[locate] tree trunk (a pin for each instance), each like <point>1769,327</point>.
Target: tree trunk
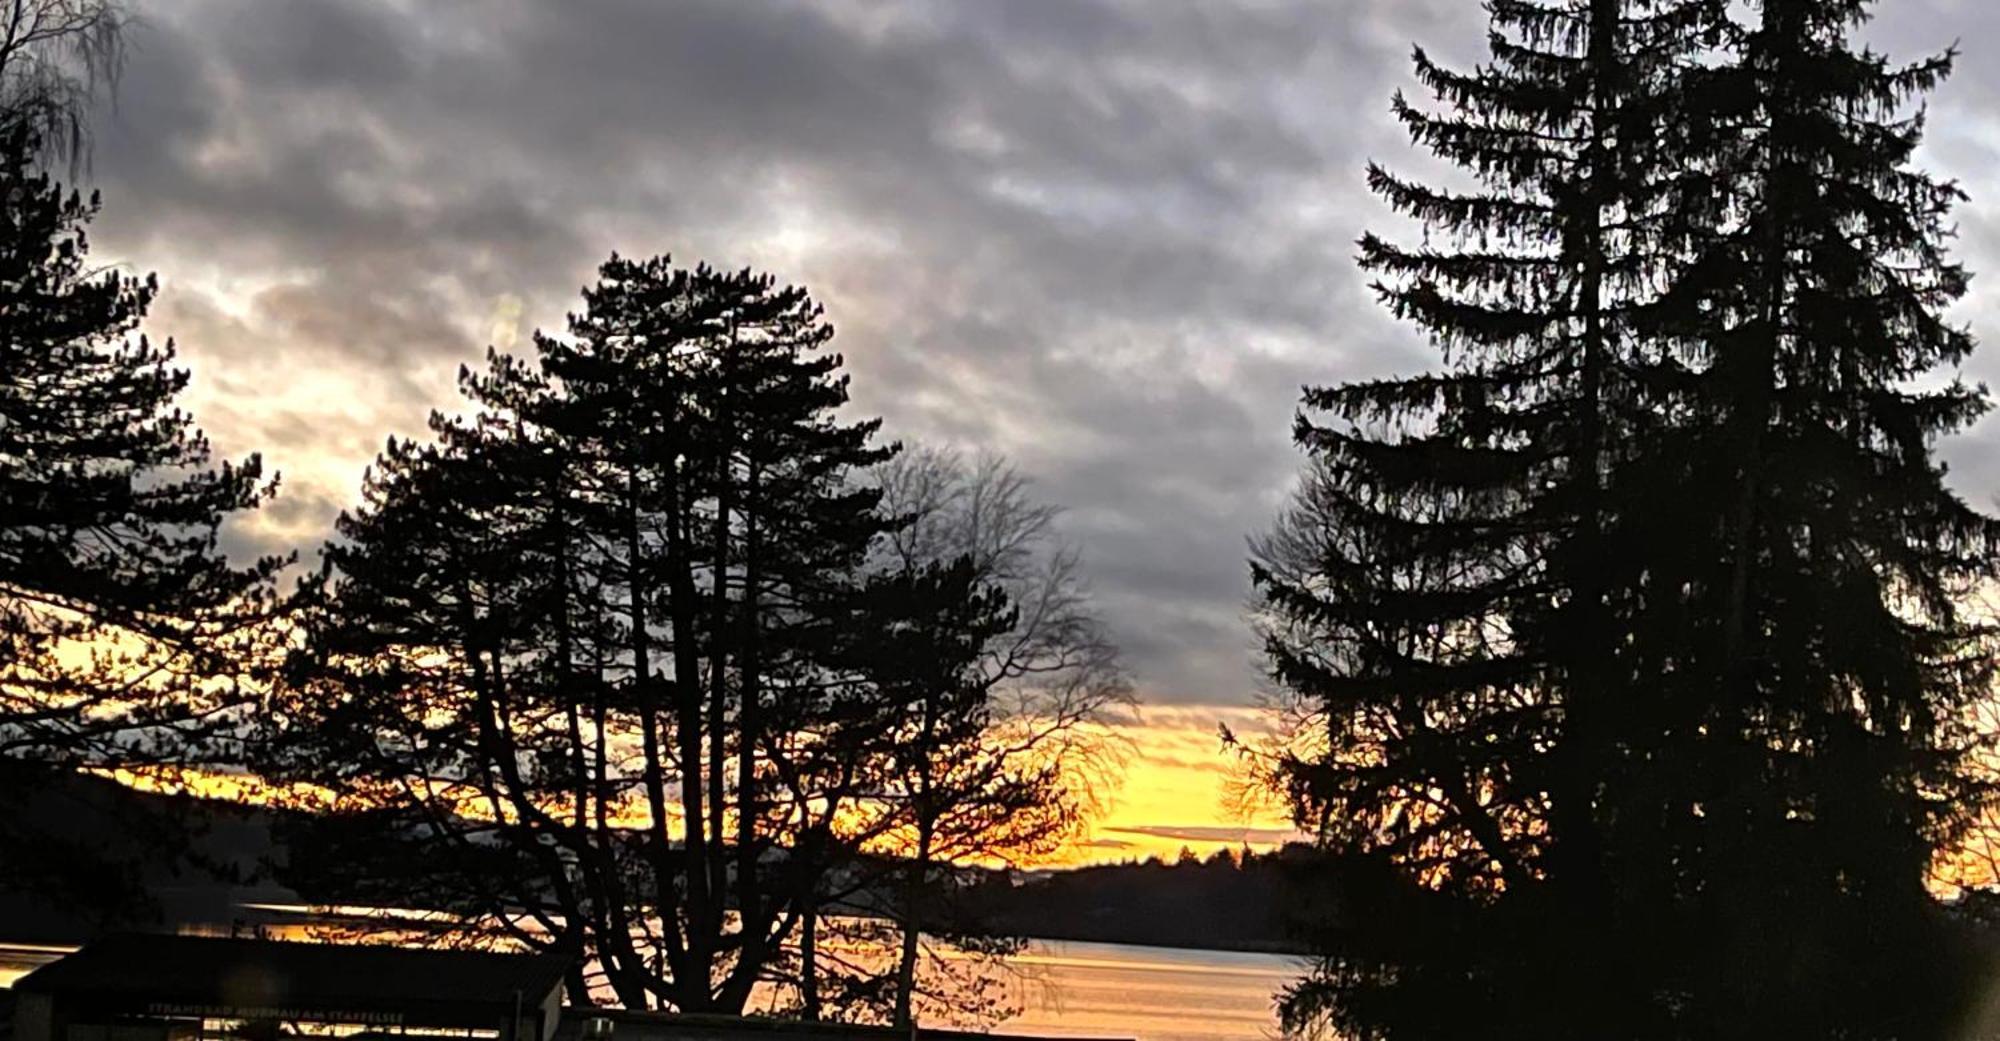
<point>748,889</point>
<point>691,983</point>
<point>913,896</point>
<point>718,664</point>
<point>1579,848</point>
<point>809,961</point>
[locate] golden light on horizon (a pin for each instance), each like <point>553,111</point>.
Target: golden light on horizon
<point>1176,791</point>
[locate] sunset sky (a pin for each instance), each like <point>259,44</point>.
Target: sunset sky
<point>1110,240</point>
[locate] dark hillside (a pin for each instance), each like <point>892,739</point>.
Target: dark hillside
<point>117,869</point>
<point>1227,902</point>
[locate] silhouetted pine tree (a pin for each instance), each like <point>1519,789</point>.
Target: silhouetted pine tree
<point>1447,600</point>
<point>600,605</point>
<point>742,484</point>
<point>124,629</point>
<point>1821,662</point>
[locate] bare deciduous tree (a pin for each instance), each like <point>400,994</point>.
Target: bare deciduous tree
<point>56,57</point>
<point>1009,767</point>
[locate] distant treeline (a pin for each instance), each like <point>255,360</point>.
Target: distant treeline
<point>1239,901</point>
<point>1231,900</point>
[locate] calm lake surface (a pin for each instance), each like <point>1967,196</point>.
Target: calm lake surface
<point>1148,993</point>
<point>1091,990</point>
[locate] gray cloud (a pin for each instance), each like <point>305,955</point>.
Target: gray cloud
<point>1110,238</point>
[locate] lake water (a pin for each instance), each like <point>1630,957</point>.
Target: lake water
<point>1148,993</point>
<point>1087,990</point>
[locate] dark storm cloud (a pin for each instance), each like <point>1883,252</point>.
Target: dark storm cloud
<point>1110,239</point>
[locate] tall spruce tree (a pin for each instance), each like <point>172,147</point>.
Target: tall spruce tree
<point>1446,601</point>
<point>126,634</point>
<point>1822,658</point>
<point>1644,614</point>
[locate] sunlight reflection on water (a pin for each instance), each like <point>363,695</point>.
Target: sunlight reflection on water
<point>1150,993</point>
<point>1085,990</point>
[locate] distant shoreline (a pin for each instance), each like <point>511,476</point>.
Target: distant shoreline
<point>1225,903</point>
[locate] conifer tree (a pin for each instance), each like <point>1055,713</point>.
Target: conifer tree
<point>1823,654</point>
<point>126,633</point>
<point>1645,612</point>
<point>747,521</point>
<point>589,623</point>
<point>1444,603</point>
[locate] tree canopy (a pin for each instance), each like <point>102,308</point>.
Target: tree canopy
<point>1625,649</point>
<point>622,653</point>
<point>129,640</point>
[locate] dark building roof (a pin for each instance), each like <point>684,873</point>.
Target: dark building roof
<point>163,974</point>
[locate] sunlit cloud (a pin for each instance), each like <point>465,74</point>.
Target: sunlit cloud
<point>1110,239</point>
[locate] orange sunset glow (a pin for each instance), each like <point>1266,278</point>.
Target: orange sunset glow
<point>1178,790</point>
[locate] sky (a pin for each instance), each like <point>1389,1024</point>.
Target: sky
<point>1109,239</point>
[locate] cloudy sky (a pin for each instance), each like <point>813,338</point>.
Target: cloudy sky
<point>1108,238</point>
